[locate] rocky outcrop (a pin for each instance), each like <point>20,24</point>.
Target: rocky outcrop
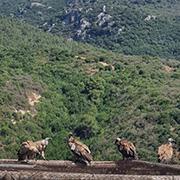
<point>75,15</point>
<point>33,98</point>
<point>150,17</point>
<point>37,4</point>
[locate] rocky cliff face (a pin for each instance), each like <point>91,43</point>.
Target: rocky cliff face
<point>75,15</point>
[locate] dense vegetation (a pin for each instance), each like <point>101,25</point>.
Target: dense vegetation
<point>136,27</point>
<point>96,94</point>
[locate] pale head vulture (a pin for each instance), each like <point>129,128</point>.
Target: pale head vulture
<point>80,150</point>
<point>166,151</point>
<point>126,148</point>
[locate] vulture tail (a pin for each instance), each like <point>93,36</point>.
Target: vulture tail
<point>87,156</point>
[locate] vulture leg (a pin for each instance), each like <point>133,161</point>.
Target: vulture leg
<point>43,155</point>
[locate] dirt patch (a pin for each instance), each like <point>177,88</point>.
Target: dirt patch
<point>110,66</point>
<point>168,69</point>
<point>33,98</point>
<point>91,71</point>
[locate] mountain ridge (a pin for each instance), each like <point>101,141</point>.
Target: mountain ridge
<point>130,27</point>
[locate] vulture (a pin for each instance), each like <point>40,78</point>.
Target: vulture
<point>126,148</point>
<point>80,150</point>
<point>166,151</point>
<point>29,149</point>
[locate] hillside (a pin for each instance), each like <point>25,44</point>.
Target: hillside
<point>50,86</point>
<point>134,27</point>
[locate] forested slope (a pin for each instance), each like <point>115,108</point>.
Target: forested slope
<point>50,86</point>
<point>136,27</point>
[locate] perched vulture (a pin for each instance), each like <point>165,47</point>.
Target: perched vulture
<point>166,151</point>
<point>41,146</point>
<point>126,148</point>
<point>80,150</point>
<point>29,149</point>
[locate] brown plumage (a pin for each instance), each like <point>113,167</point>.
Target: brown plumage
<point>178,154</point>
<point>29,149</point>
<point>126,148</point>
<point>80,150</point>
<point>166,151</point>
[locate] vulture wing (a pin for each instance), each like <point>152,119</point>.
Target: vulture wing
<point>83,152</point>
<point>23,151</point>
<point>163,149</point>
<point>24,148</point>
<point>27,150</point>
<point>165,152</point>
<point>128,147</point>
<point>131,145</point>
<point>83,146</point>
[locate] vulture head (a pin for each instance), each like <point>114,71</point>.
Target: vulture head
<point>126,148</point>
<point>71,138</point>
<point>46,141</point>
<point>171,141</point>
<point>117,140</point>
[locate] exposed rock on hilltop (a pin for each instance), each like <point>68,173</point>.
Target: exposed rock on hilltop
<point>130,26</point>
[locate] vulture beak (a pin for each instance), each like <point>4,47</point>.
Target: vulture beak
<point>48,138</point>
